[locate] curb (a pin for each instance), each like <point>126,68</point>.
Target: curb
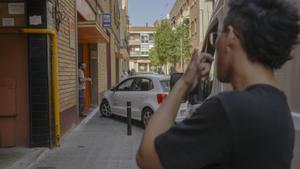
<point>87,119</point>
<point>41,156</point>
<point>29,160</point>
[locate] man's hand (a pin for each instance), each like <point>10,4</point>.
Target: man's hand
<point>198,69</point>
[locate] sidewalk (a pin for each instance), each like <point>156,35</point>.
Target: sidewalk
<point>102,143</point>
<point>20,157</point>
<point>98,143</point>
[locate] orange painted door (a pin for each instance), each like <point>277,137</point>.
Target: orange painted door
<point>14,113</point>
<point>87,73</point>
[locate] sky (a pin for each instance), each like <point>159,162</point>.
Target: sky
<point>143,11</point>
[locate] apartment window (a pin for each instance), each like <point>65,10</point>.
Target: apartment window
<point>195,26</point>
<point>144,47</point>
<point>145,53</point>
<point>145,38</point>
<point>151,37</point>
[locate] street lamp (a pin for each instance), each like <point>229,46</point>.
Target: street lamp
<point>181,57</point>
<point>181,51</point>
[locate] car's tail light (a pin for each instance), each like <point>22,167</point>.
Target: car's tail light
<point>160,97</point>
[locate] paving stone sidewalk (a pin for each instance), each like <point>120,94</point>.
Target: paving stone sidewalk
<point>102,143</point>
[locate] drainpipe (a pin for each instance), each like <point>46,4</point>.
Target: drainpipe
<point>54,77</point>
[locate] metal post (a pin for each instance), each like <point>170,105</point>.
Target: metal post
<point>181,58</point>
<point>129,119</point>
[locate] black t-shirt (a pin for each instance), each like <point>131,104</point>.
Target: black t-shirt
<point>250,129</point>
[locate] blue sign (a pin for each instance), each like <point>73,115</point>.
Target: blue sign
<point>106,20</point>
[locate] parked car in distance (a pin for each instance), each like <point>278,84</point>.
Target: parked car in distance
<point>145,92</point>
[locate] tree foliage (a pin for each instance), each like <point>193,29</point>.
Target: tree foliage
<point>167,48</point>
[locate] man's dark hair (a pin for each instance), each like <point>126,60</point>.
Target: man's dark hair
<point>267,29</point>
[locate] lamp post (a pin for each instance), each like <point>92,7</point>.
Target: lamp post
<point>181,58</point>
<point>181,49</point>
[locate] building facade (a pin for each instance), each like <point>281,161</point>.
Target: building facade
<point>195,14</point>
<point>141,40</point>
<point>39,98</point>
<point>124,35</point>
<point>200,13</point>
<point>180,12</point>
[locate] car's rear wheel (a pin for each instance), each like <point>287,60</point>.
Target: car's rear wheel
<point>146,116</point>
<point>105,109</point>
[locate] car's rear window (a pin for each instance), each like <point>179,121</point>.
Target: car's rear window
<point>165,85</point>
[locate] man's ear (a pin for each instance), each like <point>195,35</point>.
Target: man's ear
<point>231,36</point>
<point>231,32</point>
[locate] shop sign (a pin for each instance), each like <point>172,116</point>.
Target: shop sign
<point>106,20</point>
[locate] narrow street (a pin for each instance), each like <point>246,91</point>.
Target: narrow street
<point>100,144</point>
<point>65,62</point>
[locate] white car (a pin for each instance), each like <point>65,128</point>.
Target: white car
<point>145,92</point>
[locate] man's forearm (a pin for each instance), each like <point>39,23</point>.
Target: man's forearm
<point>163,119</point>
<point>165,115</point>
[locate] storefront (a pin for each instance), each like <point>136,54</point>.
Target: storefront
<point>90,34</point>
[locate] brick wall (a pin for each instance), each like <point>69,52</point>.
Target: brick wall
<point>67,59</point>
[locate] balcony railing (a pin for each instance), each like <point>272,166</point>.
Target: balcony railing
<point>134,41</point>
<point>134,53</point>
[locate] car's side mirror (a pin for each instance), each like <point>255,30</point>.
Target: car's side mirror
<point>114,89</point>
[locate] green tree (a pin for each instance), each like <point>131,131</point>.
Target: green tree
<point>154,57</point>
<point>167,44</point>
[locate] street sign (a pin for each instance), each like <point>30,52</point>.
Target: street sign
<point>106,20</point>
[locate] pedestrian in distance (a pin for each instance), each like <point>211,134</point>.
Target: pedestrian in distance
<point>124,75</point>
<point>172,70</point>
<point>132,72</point>
<point>248,128</point>
<point>82,86</point>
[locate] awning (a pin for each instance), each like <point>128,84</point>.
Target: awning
<point>91,32</point>
<point>143,61</point>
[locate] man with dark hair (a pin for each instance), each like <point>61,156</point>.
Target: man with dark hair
<point>248,128</point>
<point>82,85</point>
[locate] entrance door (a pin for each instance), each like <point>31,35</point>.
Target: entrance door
<point>14,114</point>
<point>94,73</point>
<point>84,57</point>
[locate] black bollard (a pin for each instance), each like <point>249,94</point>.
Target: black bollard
<point>129,119</point>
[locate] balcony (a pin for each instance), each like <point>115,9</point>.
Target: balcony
<point>134,41</point>
<point>135,53</point>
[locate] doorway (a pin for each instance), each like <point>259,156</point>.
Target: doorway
<point>14,112</point>
<point>88,53</point>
